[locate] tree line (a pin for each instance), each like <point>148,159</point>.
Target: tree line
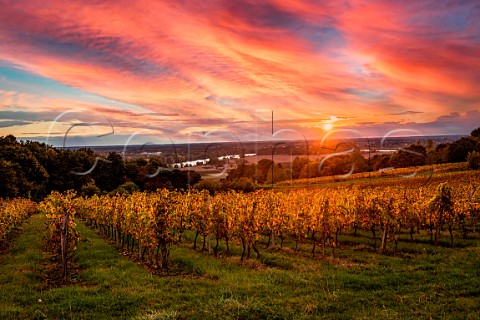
<point>33,170</point>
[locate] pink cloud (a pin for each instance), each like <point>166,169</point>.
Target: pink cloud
<point>365,60</point>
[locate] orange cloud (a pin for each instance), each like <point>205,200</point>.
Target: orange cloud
<point>200,60</point>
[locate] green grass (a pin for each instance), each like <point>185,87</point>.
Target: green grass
<point>427,283</point>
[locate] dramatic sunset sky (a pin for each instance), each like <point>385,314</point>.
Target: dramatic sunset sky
<point>108,72</point>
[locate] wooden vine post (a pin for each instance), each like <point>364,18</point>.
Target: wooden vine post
<point>64,243</point>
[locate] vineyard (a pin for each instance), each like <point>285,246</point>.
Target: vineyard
<point>408,172</point>
<point>12,214</point>
<point>147,224</point>
<point>386,248</point>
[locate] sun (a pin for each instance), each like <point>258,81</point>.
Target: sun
<point>328,126</point>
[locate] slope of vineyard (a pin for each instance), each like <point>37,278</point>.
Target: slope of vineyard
<point>150,223</point>
<point>389,173</point>
<point>412,221</point>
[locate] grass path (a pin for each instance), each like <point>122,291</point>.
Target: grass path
<point>441,284</point>
<point>20,274</point>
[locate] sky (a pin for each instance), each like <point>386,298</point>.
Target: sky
<point>131,72</point>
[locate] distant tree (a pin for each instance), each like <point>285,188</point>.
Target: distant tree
<point>262,170</point>
<point>172,179</point>
<point>31,176</point>
<point>458,150</point>
<point>358,161</point>
<point>343,164</point>
<point>276,174</point>
<point>243,184</point>
<point>158,179</point>
<point>116,169</point>
<point>8,140</point>
<point>432,157</point>
<point>381,162</point>
<point>441,151</point>
<point>132,173</point>
<point>311,170</point>
<point>413,155</point>
<point>297,166</point>
<point>430,145</point>
<point>39,150</point>
<point>192,177</point>
<point>68,170</point>
<point>242,170</point>
<point>110,174</point>
<point>8,182</point>
<point>126,188</point>
<point>214,161</point>
<point>476,133</point>
<point>211,185</point>
<point>473,159</point>
<point>89,189</point>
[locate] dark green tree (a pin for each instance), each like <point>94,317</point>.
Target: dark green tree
<point>458,150</point>
<point>110,174</point>
<point>297,166</point>
<point>262,170</point>
<point>8,182</point>
<point>473,160</point>
<point>413,155</point>
<point>475,133</point>
<point>381,161</point>
<point>69,170</point>
<point>31,176</point>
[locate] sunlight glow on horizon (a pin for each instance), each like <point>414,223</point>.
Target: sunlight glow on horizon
<point>328,126</point>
